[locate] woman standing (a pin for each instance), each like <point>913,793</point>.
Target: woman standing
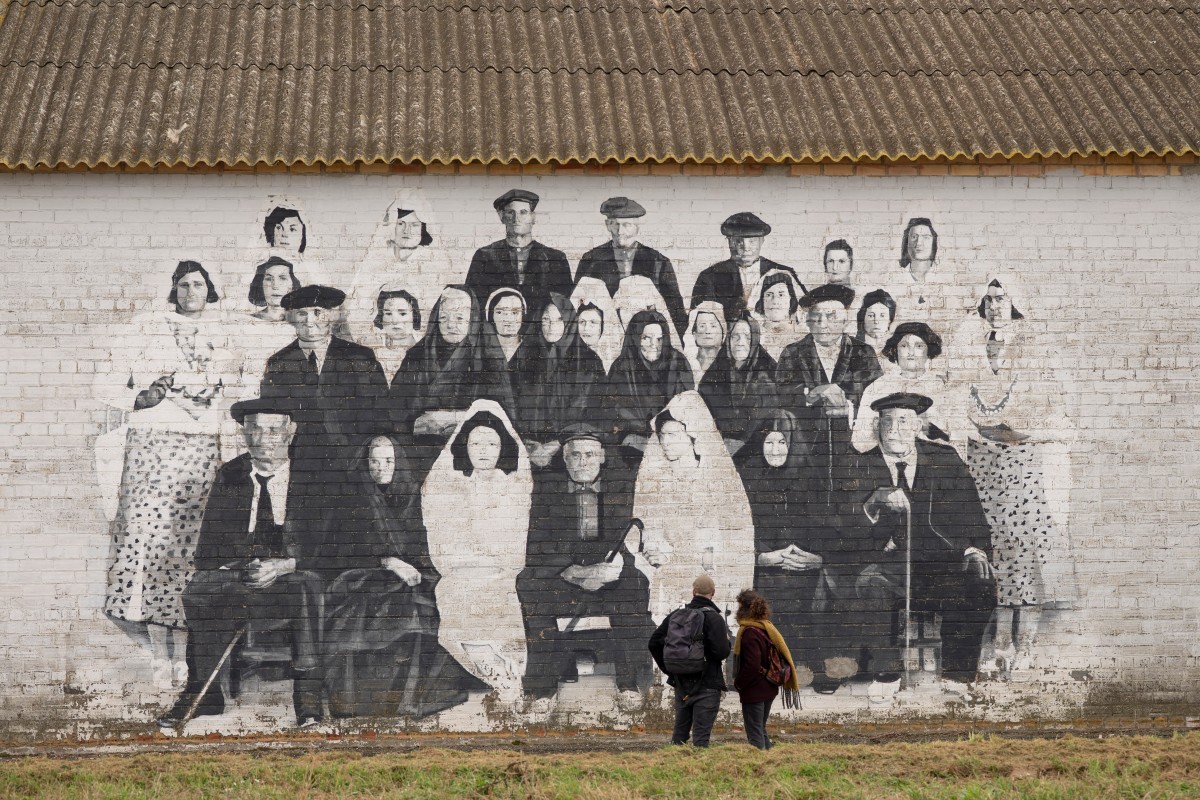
<point>267,330</point>
<point>776,303</point>
<point>476,501</point>
<point>1018,453</point>
<point>875,318</point>
<point>753,648</point>
<point>600,325</point>
<point>739,387</point>
<point>172,380</point>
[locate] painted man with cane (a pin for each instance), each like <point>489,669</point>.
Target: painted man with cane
<point>249,566</point>
<point>913,537</point>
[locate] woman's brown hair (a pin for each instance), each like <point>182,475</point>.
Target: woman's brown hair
<point>752,605</point>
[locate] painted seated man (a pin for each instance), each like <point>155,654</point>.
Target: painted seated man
<point>909,484</point>
<point>579,587</point>
<point>250,565</point>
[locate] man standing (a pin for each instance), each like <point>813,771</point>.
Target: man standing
<point>906,477</point>
<point>698,696</point>
<point>250,557</point>
<point>625,256</point>
<point>579,573</point>
<point>517,261</point>
<point>731,282</point>
<point>338,387</point>
<point>821,378</point>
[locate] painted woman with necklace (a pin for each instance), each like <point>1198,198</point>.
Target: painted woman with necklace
<point>1019,455</point>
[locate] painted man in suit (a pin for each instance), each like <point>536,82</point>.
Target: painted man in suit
<point>821,378</point>
<point>625,256</point>
<point>517,261</point>
<point>255,544</point>
<point>578,569</point>
<point>338,387</point>
<point>951,545</point>
<point>731,282</point>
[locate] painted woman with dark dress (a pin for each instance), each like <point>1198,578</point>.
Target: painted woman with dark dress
<point>561,379</point>
<point>381,619</point>
<point>456,363</point>
<point>505,312</point>
<point>739,387</point>
<point>396,328</point>
<point>648,374</point>
<point>790,526</point>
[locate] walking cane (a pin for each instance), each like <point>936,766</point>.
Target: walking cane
<point>211,677</point>
<point>910,657</point>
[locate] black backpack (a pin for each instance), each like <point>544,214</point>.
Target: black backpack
<point>683,653</point>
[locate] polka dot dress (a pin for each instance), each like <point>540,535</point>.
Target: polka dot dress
<point>164,487</point>
<point>1009,479</point>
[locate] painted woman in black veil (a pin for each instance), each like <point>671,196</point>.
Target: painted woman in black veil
<point>458,362</point>
<point>560,380</point>
<point>381,629</point>
<point>648,373</point>
<point>790,527</point>
<point>739,386</point>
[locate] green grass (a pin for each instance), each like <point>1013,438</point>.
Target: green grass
<point>976,769</point>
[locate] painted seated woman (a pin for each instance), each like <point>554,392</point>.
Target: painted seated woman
<point>739,387</point>
<point>695,512</point>
<point>457,362</point>
<point>910,351</point>
<point>381,619</point>
<point>599,323</point>
<point>776,303</point>
<point>171,376</point>
<point>476,503</point>
<point>560,381</point>
<point>397,326</point>
<point>643,380</point>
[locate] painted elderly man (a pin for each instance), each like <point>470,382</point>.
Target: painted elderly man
<point>580,590</point>
<point>909,484</point>
<point>518,261</point>
<point>730,282</point>
<point>821,378</point>
<point>254,543</point>
<point>625,256</point>
<point>338,387</point>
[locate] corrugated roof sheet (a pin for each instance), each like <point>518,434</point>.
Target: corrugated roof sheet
<point>321,81</point>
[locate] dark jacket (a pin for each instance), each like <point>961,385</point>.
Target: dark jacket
<point>546,271</point>
<point>751,681</point>
<point>224,540</point>
<point>601,263</point>
<point>722,282</point>
<point>947,519</point>
<point>716,650</point>
<point>337,407</point>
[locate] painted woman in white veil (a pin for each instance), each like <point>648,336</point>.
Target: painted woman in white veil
<point>637,293</point>
<point>405,253</point>
<point>476,503</point>
<point>600,325</point>
<point>694,509</point>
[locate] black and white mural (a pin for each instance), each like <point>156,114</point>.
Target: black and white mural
<point>444,481</point>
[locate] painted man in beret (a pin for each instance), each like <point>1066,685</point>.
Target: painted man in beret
<point>517,261</point>
<point>338,387</point>
<point>904,476</point>
<point>731,281</point>
<point>251,565</point>
<point>625,256</point>
<point>821,378</point>
<point>579,572</point>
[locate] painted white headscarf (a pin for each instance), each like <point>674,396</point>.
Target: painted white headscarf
<point>696,514</point>
<point>690,349</point>
<point>637,292</point>
<point>478,526</point>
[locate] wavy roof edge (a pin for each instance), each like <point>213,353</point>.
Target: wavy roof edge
<point>675,6</point>
<point>785,159</point>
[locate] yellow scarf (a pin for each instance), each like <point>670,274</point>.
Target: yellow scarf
<point>792,687</point>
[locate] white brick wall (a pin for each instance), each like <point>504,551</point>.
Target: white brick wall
<point>1110,269</point>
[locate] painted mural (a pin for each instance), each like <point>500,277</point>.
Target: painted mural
<point>443,482</point>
